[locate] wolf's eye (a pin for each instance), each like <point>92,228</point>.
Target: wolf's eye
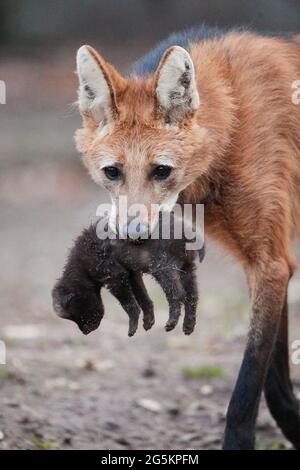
<point>112,173</point>
<point>161,172</point>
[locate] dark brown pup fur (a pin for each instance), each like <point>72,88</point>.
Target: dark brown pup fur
<point>118,265</point>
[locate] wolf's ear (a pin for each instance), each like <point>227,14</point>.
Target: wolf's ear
<point>175,84</point>
<point>98,86</point>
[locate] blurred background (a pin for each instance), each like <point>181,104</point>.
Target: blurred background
<point>60,389</point>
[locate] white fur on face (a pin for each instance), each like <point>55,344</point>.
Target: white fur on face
<point>96,168</point>
<point>93,93</point>
<point>165,160</point>
<point>176,85</point>
<point>154,210</point>
<point>112,221</point>
<point>169,202</point>
<point>106,160</point>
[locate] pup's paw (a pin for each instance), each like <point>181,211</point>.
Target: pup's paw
<point>189,325</point>
<point>133,326</point>
<point>148,321</point>
<point>171,323</point>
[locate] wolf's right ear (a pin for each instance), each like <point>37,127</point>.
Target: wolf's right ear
<point>98,86</point>
<point>175,85</point>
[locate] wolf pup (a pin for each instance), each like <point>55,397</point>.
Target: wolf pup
<point>118,265</point>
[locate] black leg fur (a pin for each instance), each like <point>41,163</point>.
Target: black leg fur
<point>123,292</point>
<point>280,398</point>
<point>170,282</point>
<point>143,299</point>
<point>189,283</point>
<point>268,300</point>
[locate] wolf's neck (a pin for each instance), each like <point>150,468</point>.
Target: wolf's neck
<point>217,114</point>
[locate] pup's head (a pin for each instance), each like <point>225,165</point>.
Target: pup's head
<point>140,135</point>
<point>83,306</point>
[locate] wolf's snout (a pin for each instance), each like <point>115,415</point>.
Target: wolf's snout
<point>135,230</point>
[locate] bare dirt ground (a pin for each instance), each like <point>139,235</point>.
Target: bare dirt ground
<point>60,389</point>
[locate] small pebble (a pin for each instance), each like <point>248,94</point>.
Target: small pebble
<point>122,441</point>
<point>67,440</point>
<point>149,372</point>
<point>206,390</point>
<point>111,426</point>
<point>174,411</point>
<point>99,366</point>
<point>150,405</point>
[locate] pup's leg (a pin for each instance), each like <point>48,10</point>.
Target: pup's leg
<point>170,282</point>
<point>143,299</point>
<point>188,279</point>
<point>122,290</point>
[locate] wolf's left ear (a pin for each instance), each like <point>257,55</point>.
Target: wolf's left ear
<point>175,84</point>
<point>98,86</point>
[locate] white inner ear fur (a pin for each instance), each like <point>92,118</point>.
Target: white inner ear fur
<point>94,92</point>
<point>165,160</point>
<point>176,84</point>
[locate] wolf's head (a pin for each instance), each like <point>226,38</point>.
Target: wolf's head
<point>140,135</point>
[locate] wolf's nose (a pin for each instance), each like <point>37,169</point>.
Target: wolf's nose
<point>136,231</point>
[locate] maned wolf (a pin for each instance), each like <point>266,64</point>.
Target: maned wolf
<point>210,116</point>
